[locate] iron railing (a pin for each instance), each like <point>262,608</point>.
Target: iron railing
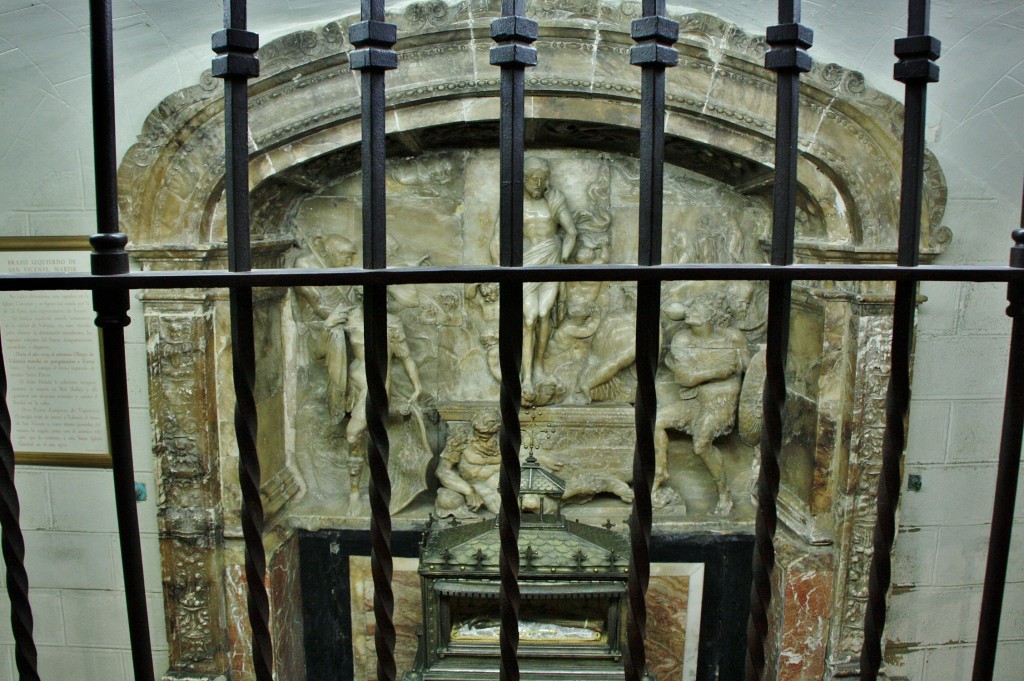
<point>373,38</point>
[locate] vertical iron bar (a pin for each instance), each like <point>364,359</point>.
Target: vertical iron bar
<point>513,34</point>
<point>236,63</point>
<point>789,39</point>
<point>13,545</point>
<point>1006,478</point>
<point>374,38</point>
<point>109,257</point>
<point>655,35</point>
<point>916,68</point>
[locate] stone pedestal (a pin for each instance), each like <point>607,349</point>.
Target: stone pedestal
<point>802,608</point>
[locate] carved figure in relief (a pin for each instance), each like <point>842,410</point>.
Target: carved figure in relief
<point>469,466</point>
<point>325,347</point>
<point>581,308</point>
<point>585,485</point>
<point>572,338</point>
<point>612,350</point>
<point>592,249</point>
<point>351,320</point>
<point>545,214</point>
<point>455,496</point>
<point>425,177</point>
<point>707,358</point>
<point>485,298</point>
<point>329,340</point>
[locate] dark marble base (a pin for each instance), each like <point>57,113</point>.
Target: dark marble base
<point>336,592</point>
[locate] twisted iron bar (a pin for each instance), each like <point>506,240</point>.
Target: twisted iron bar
<point>789,39</point>
<point>510,325</point>
<point>1006,478</point>
<point>641,518</point>
<point>373,38</point>
<point>513,51</point>
<point>13,545</point>
<point>766,521</point>
<point>655,35</point>
<point>236,63</point>
<point>916,68</point>
<point>246,429</point>
<point>378,449</point>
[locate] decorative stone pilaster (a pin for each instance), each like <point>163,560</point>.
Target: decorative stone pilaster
<point>196,478</point>
<point>188,477</point>
<point>802,607</point>
<point>854,506</point>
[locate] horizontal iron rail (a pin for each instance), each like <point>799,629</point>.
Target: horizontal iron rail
<point>486,273</point>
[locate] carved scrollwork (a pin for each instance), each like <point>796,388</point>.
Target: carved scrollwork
<point>433,13</point>
<point>190,594</point>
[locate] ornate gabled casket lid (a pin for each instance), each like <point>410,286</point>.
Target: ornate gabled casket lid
<point>548,543</point>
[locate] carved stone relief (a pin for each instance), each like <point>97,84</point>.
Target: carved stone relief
<point>442,204</point>
<point>188,507</point>
<point>580,342</point>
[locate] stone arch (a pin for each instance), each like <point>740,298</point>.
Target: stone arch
<point>720,108</point>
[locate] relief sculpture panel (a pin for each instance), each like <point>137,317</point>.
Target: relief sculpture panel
<point>579,377</point>
<point>578,348</point>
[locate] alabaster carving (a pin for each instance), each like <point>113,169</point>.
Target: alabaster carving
<point>582,103</point>
<point>549,238</point>
<point>331,320</point>
<point>707,358</point>
<point>469,465</point>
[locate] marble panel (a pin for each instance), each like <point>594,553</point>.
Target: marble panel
<point>671,591</point>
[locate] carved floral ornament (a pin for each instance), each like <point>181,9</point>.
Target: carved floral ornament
<point>720,104</point>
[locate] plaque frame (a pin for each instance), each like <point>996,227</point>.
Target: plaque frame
<point>56,245</point>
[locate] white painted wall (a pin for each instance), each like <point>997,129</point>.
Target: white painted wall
<point>976,130</point>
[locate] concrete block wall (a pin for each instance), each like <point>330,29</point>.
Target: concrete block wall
<point>953,444</point>
<point>73,557</point>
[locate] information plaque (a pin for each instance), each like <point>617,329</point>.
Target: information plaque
<point>52,356</point>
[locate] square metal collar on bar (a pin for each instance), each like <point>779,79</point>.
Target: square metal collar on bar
<point>374,40</point>
<point>789,42</point>
<point>656,36</point>
<point>237,50</point>
<point>917,56</point>
<point>514,35</point>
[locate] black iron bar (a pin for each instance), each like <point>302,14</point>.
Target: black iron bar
<point>470,274</point>
<point>655,34</point>
<point>373,38</point>
<point>111,306</point>
<point>236,62</point>
<point>1006,477</point>
<point>789,39</point>
<point>513,34</point>
<point>12,543</point>
<point>916,68</point>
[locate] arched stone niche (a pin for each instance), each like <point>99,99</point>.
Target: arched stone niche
<point>582,114</point>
